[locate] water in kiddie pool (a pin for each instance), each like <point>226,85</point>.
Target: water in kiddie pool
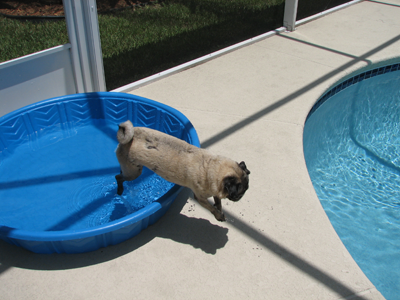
<point>63,178</point>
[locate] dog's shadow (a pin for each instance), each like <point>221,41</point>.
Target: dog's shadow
<point>199,233</point>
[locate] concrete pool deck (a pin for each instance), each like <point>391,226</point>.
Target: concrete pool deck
<point>278,243</point>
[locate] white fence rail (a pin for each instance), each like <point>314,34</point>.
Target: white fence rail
<point>36,77</point>
<point>76,67</point>
<point>84,36</point>
<point>290,13</point>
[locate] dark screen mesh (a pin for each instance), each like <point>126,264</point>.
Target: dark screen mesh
<point>308,8</point>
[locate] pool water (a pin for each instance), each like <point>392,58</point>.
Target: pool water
<point>352,151</point>
<point>67,172</point>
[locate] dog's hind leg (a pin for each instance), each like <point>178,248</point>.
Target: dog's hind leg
<point>217,213</point>
<point>127,174</point>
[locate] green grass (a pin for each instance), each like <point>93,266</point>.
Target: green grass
<point>18,38</point>
<point>145,41</point>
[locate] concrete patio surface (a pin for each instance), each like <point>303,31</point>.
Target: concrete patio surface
<point>278,243</point>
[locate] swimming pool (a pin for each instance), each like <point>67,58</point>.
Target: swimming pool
<point>352,151</point>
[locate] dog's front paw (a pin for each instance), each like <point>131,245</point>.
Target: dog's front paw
<point>120,189</point>
<point>120,183</point>
<point>218,206</point>
<point>220,217</point>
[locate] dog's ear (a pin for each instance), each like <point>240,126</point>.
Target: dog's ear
<point>242,165</point>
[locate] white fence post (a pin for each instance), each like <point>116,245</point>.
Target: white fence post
<point>84,36</point>
<point>289,17</point>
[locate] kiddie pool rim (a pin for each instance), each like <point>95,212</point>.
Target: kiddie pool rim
<point>117,231</point>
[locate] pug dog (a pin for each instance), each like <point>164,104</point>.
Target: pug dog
<point>207,175</point>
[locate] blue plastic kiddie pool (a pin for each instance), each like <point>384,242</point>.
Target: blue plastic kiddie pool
<point>58,192</point>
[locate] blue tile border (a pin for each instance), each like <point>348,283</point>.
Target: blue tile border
<point>353,80</point>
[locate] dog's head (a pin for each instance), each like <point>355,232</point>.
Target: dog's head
<point>236,185</point>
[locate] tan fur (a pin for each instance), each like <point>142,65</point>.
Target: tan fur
<point>176,161</point>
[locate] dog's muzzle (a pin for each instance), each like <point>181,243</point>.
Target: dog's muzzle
<point>235,198</point>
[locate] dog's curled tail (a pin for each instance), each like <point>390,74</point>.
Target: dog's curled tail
<point>125,132</point>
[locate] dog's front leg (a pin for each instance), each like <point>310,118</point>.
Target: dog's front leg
<point>120,181</point>
<point>217,213</point>
<point>217,203</point>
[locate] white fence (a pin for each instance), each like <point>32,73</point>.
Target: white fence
<point>36,77</point>
<point>76,67</point>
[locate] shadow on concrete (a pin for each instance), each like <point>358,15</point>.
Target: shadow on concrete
<point>384,3</point>
<point>263,112</point>
<point>294,260</point>
<point>173,225</point>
